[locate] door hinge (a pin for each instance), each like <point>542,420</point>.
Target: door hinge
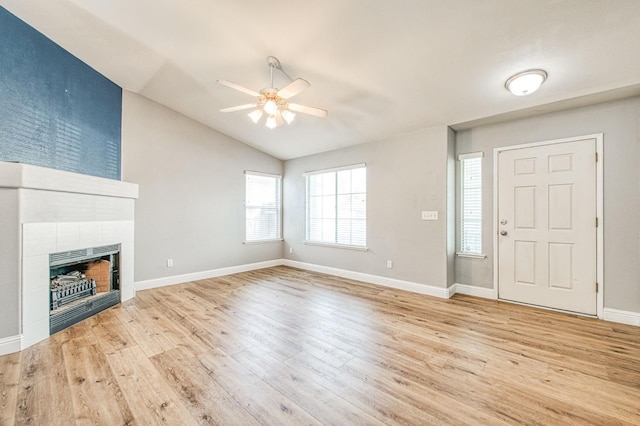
<point>597,287</point>
<point>596,222</point>
<point>596,157</point>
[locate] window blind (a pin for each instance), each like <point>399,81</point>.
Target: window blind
<point>262,207</point>
<point>471,200</point>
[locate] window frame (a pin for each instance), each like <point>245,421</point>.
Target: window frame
<point>462,158</point>
<point>337,217</point>
<point>279,207</point>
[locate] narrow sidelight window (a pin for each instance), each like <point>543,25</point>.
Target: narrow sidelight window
<point>471,203</point>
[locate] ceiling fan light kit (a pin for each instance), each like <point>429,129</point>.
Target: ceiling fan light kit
<point>526,82</point>
<point>256,115</point>
<point>273,102</point>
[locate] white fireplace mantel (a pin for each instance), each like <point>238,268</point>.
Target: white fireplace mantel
<point>47,211</point>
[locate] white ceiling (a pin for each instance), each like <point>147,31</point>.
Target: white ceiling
<point>380,67</point>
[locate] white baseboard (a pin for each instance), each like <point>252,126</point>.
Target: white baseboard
<point>203,275</point>
<point>373,279</point>
<point>623,317</point>
<point>11,344</point>
<point>471,290</point>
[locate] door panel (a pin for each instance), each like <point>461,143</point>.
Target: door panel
<point>560,265</point>
<point>560,207</point>
<point>525,207</point>
<point>525,262</point>
<point>547,212</point>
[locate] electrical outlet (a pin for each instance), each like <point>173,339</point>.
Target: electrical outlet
<point>169,263</point>
<point>290,250</point>
<point>430,215</point>
<point>389,264</point>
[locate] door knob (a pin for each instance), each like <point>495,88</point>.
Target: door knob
<point>503,232</point>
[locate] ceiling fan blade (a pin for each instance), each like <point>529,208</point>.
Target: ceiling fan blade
<point>239,88</point>
<point>308,110</point>
<point>238,108</point>
<point>293,88</point>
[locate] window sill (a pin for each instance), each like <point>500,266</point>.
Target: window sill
<point>471,255</point>
<point>275,240</point>
<point>342,246</point>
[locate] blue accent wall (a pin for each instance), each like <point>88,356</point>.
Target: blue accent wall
<point>55,110</point>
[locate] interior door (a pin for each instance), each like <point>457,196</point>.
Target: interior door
<point>547,226</point>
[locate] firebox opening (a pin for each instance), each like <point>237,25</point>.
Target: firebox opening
<point>82,283</point>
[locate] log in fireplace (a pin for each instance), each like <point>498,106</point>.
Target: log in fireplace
<point>82,283</point>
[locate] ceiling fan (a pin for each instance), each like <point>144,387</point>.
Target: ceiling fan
<point>273,102</point>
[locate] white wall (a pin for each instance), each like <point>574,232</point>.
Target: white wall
<point>9,263</point>
<point>620,123</point>
<point>405,175</point>
<point>191,203</point>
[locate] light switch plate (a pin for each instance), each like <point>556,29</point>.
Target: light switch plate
<point>429,215</point>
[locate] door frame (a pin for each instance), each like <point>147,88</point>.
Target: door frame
<point>599,137</point>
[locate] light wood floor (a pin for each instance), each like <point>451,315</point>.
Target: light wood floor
<point>284,346</point>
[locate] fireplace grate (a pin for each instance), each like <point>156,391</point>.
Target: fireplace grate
<point>67,293</point>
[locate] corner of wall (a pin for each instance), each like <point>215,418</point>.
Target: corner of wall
<point>451,205</point>
<point>11,344</point>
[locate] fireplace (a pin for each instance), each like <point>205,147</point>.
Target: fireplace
<point>82,283</point>
<point>47,212</point>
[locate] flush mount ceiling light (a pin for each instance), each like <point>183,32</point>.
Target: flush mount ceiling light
<point>271,102</point>
<point>525,82</point>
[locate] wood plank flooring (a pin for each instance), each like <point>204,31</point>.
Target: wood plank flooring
<point>282,346</point>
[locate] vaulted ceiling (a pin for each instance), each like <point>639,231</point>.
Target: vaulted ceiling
<point>380,67</point>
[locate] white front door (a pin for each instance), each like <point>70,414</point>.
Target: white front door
<point>547,226</point>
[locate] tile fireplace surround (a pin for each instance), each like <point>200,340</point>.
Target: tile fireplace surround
<point>45,211</point>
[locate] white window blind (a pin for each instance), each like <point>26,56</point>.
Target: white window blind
<point>337,206</point>
<point>262,207</point>
<point>471,200</point>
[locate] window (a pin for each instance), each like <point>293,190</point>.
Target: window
<point>262,207</point>
<point>471,203</point>
<point>337,206</point>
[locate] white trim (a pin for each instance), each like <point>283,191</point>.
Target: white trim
<point>479,154</point>
<point>334,169</point>
<point>342,246</point>
<point>494,223</point>
<point>600,229</point>
<point>272,240</point>
<point>11,344</point>
<point>599,139</point>
<point>471,255</point>
<point>413,287</point>
<point>271,175</point>
<point>203,275</point>
<point>425,289</point>
<point>471,290</point>
<point>549,142</point>
<point>27,176</point>
<point>623,317</point>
